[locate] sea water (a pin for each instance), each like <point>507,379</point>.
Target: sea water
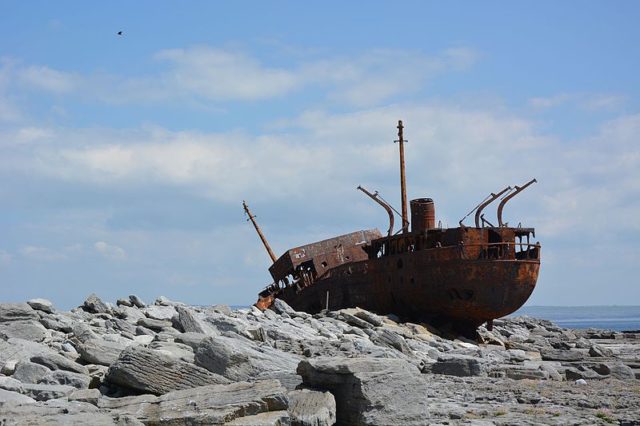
<point>618,318</point>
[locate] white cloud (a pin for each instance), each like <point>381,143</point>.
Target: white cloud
<point>110,251</point>
<point>41,253</point>
<point>222,75</point>
<point>589,102</point>
<point>230,74</point>
<point>48,79</point>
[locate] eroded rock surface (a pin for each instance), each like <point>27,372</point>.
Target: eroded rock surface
<point>170,363</point>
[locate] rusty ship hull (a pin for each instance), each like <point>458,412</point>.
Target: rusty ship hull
<point>461,276</point>
<point>462,293</point>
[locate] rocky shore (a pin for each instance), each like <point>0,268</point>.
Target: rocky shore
<point>169,363</point>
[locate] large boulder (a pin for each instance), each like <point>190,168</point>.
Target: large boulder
<point>99,351</point>
<point>458,365</point>
<point>29,372</point>
<point>27,330</point>
<point>17,312</point>
<point>43,305</point>
<point>370,391</point>
<point>241,359</point>
<point>154,372</point>
<point>189,322</point>
<point>95,305</point>
<point>69,378</point>
<point>312,408</point>
<point>211,404</point>
<point>56,361</point>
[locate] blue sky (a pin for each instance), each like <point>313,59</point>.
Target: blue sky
<point>125,159</point>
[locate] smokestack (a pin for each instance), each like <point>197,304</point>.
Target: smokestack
<point>423,215</point>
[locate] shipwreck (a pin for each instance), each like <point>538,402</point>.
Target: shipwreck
<point>462,277</point>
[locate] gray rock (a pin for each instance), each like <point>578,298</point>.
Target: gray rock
<point>29,372</point>
<point>281,307</point>
<point>57,322</point>
<point>99,351</point>
<point>95,305</point>
<point>599,351</point>
<point>222,309</point>
<point>190,339</point>
<point>91,396</point>
<point>160,312</point>
<point>27,330</point>
<point>311,408</point>
<point>154,324</point>
<point>55,361</point>
<point>136,301</point>
<point>526,373</point>
<point>151,371</point>
<point>458,365</point>
<point>370,391</point>
<point>57,412</point>
<point>17,312</point>
<point>39,392</point>
<point>14,397</point>
<point>20,349</point>
<point>132,315</point>
<point>124,302</point>
<point>369,317</point>
<point>240,359</point>
<point>211,404</point>
<point>164,301</point>
<point>391,339</point>
<point>43,305</point>
<point>83,332</point>
<point>175,350</point>
<point>621,371</point>
<point>272,418</point>
<point>69,378</point>
<point>187,321</point>
<point>562,355</point>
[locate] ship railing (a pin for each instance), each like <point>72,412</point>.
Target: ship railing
<point>500,251</point>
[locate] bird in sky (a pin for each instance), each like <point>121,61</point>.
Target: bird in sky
<point>119,33</point>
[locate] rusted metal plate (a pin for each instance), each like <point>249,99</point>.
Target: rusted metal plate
<point>323,255</point>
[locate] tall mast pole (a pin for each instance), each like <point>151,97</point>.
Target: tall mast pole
<point>252,218</point>
<point>403,182</point>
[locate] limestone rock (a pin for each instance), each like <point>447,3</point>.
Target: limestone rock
<point>370,391</point>
<point>458,365</point>
<point>43,305</point>
<point>271,418</point>
<point>90,396</point>
<point>187,321</point>
<point>27,330</point>
<point>151,371</point>
<point>136,301</point>
<point>211,404</point>
<point>56,361</point>
<point>29,372</point>
<point>69,378</point>
<point>311,408</point>
<point>15,397</point>
<point>239,359</point>
<point>154,324</point>
<point>95,305</point>
<point>17,312</point>
<point>160,312</point>
<point>99,351</point>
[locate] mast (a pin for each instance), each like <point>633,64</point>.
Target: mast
<point>403,183</point>
<point>252,218</point>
